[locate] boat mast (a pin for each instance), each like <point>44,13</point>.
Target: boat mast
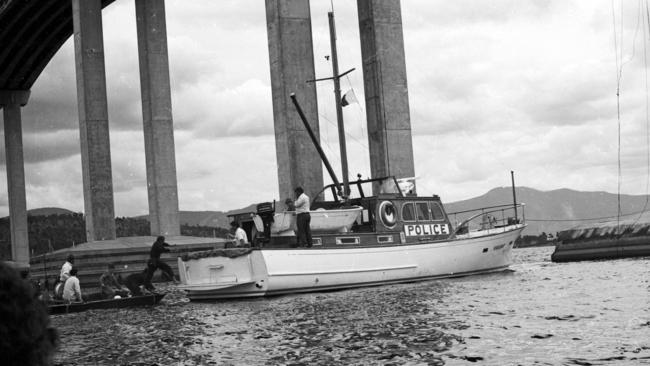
<point>339,108</point>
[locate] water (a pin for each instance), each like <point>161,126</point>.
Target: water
<point>538,313</point>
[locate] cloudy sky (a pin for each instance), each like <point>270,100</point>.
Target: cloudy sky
<point>494,86</point>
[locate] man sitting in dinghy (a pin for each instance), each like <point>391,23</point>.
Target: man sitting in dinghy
<point>110,285</point>
<point>71,288</point>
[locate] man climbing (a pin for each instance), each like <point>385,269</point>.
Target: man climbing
<point>159,247</point>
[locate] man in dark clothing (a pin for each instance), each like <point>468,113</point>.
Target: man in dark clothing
<point>135,283</point>
<point>154,263</point>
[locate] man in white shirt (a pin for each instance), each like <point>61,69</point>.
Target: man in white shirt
<point>241,239</point>
<point>303,218</point>
<point>65,269</point>
<point>63,276</point>
<point>71,289</point>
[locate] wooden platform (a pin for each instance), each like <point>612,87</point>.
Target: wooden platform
<point>128,254</point>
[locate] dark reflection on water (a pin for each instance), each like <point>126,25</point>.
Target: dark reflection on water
<point>381,325</point>
<point>539,313</point>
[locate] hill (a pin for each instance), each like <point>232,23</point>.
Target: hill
<point>46,211</point>
<point>561,209</point>
<point>208,218</point>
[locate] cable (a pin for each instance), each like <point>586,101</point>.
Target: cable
<point>647,102</point>
<point>589,219</point>
<point>619,71</point>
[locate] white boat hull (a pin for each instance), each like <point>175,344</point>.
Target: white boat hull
<point>266,272</point>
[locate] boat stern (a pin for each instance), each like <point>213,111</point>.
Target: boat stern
<point>222,272</point>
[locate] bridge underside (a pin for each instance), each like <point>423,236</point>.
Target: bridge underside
<point>31,32</point>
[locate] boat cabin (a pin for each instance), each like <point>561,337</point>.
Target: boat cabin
<point>394,216</point>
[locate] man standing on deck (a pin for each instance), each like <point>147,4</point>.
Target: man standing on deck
<point>154,263</point>
<point>303,218</point>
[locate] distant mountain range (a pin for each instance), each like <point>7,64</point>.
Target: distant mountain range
<point>557,210</point>
<point>546,211</point>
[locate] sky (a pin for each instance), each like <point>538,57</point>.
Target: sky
<point>494,86</point>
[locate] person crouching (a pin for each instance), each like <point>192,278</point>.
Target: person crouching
<point>110,285</point>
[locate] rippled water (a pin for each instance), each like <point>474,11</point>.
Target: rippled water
<point>538,313</point>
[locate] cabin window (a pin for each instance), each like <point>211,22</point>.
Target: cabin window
<point>422,211</point>
<point>437,212</point>
<point>317,241</point>
<point>408,212</point>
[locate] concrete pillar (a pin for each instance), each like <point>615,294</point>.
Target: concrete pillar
<point>157,117</point>
<point>291,57</point>
<point>384,74</point>
<point>10,102</point>
<point>93,120</point>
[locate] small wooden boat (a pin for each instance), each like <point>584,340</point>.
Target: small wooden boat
<point>125,302</point>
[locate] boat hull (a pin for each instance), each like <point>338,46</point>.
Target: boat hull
<point>265,272</point>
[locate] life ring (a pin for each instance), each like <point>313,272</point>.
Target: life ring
<point>388,214</point>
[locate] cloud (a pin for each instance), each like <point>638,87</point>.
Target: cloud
<point>493,86</point>
<point>212,111</point>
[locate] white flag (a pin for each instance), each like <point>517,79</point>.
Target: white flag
<point>349,98</point>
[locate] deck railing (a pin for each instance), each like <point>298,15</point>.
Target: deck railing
<point>487,218</point>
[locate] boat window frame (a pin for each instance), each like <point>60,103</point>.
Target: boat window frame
<point>442,211</point>
<point>412,204</point>
<point>427,211</point>
<point>432,217</point>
